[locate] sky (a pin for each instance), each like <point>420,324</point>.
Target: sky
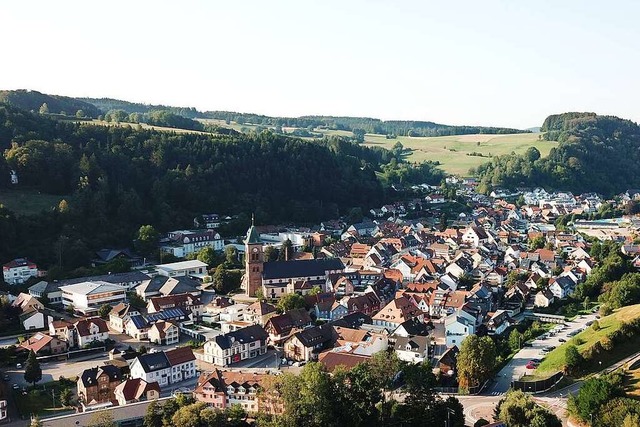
<point>490,63</point>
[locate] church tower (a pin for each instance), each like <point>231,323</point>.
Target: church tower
<point>254,259</point>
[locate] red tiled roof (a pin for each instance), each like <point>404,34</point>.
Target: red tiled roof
<point>180,355</point>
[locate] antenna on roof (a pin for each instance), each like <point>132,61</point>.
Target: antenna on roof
<point>253,218</point>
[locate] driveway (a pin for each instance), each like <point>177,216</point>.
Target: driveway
<point>516,367</point>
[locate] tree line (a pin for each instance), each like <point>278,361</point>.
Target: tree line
<point>594,154</point>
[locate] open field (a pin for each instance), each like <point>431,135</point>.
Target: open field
<point>450,151</point>
<point>143,126</point>
<point>28,202</point>
<point>555,360</point>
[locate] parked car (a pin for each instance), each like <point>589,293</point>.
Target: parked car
<point>19,365</point>
<point>562,340</point>
<point>531,366</point>
<point>5,377</point>
<point>15,387</point>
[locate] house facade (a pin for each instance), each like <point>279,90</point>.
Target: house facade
<point>97,385</point>
<point>19,271</point>
<point>235,346</point>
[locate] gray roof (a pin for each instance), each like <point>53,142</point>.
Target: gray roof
<point>117,278</point>
<point>245,335</point>
<point>151,362</point>
<point>300,268</point>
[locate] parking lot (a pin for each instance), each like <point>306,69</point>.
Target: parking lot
<point>517,367</point>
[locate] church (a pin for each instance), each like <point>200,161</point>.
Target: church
<point>276,278</point>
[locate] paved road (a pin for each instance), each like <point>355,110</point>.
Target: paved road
<point>516,368</point>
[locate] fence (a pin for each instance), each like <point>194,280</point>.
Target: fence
<point>455,390</point>
<point>537,386</point>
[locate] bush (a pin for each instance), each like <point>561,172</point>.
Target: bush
<point>605,310</point>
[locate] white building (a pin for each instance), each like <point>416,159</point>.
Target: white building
<point>245,343</point>
<point>167,367</point>
<point>184,268</point>
<point>181,243</point>
<point>87,297</point>
<point>458,326</point>
<point>19,271</point>
<point>412,349</point>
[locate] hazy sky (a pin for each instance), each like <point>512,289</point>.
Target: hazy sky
<point>502,63</point>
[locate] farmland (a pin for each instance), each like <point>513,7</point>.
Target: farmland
<point>450,151</point>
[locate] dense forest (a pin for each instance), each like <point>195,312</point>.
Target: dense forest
<point>594,154</point>
<point>368,125</point>
<point>32,100</point>
<point>115,178</point>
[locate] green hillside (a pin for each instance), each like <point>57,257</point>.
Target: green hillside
<point>32,100</point>
<point>555,360</point>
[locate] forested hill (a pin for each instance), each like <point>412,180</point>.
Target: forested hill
<point>107,104</point>
<point>368,125</point>
<point>32,100</point>
<point>594,153</point>
<point>117,178</point>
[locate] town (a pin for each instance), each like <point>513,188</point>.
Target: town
<point>416,279</point>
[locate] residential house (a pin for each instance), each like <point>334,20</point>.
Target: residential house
<point>412,349</point>
<point>118,314</point>
<point>562,286</point>
<point>138,326</point>
<point>397,312</point>
<point>475,236</point>
<point>19,271</point>
<point>306,344</point>
<point>458,326</point>
<point>136,390</point>
<point>97,385</point>
<point>183,364</point>
<point>47,291</point>
<point>259,312</point>
<point>163,286</point>
<point>89,330</point>
<point>35,319</point>
<point>544,298</point>
<point>27,303</point>
<point>498,322</point>
<point>186,301</point>
<point>280,327</point>
<point>235,346</point>
<point>167,367</point>
<point>181,243</point>
<point>164,333</point>
<point>105,256</point>
<point>43,345</point>
<point>223,389</point>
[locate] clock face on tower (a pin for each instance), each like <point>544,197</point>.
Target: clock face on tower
<point>255,250</point>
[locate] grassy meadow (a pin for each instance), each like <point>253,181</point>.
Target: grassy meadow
<point>555,360</point>
<point>28,202</point>
<point>450,151</point>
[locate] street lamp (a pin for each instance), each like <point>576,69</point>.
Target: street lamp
<point>449,411</point>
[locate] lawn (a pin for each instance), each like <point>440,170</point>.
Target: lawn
<point>28,202</point>
<point>40,401</point>
<point>555,360</point>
